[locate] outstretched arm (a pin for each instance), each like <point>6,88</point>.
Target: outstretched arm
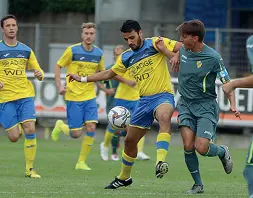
<point>104,75</point>
<point>101,86</point>
<point>125,81</point>
<point>246,82</point>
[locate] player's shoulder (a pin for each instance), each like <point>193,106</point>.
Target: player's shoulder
<point>212,52</point>
<point>97,50</point>
<point>74,46</point>
<point>249,42</point>
<point>23,47</point>
<point>126,54</point>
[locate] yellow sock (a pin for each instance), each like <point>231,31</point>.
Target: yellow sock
<point>86,146</point>
<point>141,144</point>
<point>126,166</point>
<point>30,147</point>
<point>64,128</point>
<point>108,136</point>
<point>162,146</point>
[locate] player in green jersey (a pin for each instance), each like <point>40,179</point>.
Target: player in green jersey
<point>198,111</point>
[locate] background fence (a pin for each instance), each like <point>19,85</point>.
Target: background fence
<point>231,43</point>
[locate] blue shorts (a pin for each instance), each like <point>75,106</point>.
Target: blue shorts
<point>79,113</point>
<point>14,112</point>
<point>143,115</point>
<point>130,105</point>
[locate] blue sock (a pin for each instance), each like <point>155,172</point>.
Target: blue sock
<point>215,150</point>
<point>192,163</point>
<point>248,175</point>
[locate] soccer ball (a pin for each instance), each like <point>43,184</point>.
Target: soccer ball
<point>119,117</point>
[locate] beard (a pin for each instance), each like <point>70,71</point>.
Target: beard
<point>137,46</point>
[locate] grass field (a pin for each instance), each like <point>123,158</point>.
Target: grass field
<point>56,161</point>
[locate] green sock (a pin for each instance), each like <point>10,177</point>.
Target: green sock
<point>215,150</point>
<point>192,164</point>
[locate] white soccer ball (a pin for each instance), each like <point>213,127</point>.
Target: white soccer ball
<point>119,117</point>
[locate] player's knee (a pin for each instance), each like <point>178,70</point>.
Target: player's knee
<point>29,130</point>
<point>76,134</point>
<point>90,127</point>
<point>164,118</point>
<point>14,137</point>
<point>201,148</point>
<point>189,146</point>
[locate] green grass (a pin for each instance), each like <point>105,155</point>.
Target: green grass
<point>56,161</point>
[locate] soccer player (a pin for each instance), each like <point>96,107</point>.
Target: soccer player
<point>127,95</point>
<point>17,113</point>
<point>147,65</point>
<point>246,82</point>
<point>83,59</point>
<point>109,135</point>
<point>198,111</point>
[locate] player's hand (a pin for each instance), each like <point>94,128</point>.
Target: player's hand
<point>73,77</point>
<point>61,90</point>
<point>174,61</point>
<point>110,92</point>
<point>236,112</point>
<point>160,44</point>
<point>228,88</point>
<point>1,85</point>
<point>38,74</point>
<point>131,83</point>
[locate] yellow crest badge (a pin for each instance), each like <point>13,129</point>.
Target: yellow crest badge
<point>199,64</point>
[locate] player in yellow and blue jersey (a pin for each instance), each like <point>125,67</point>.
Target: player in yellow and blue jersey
<point>246,82</point>
<point>198,111</point>
<point>17,113</point>
<point>83,59</point>
<point>147,65</point>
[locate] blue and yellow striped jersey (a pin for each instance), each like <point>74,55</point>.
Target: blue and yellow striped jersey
<point>14,61</point>
<point>83,63</point>
<point>148,67</point>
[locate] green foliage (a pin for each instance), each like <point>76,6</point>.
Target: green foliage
<point>31,7</point>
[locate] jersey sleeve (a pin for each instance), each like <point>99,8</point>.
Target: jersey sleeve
<point>101,65</point>
<point>221,71</point>
<point>170,44</point>
<point>249,47</point>
<point>119,68</point>
<point>32,63</point>
<point>66,58</point>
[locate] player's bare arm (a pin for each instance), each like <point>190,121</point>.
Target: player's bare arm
<point>1,85</point>
<point>119,78</point>
<point>57,76</point>
<point>246,82</point>
<point>108,92</point>
<point>162,48</point>
<point>104,75</point>
<point>231,98</point>
<point>38,74</point>
<point>175,61</point>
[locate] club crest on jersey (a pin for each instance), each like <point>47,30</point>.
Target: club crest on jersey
<point>199,64</point>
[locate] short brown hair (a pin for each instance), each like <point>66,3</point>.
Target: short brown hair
<point>9,16</point>
<point>193,28</point>
<point>89,25</point>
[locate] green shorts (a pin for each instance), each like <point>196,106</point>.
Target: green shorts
<point>201,116</point>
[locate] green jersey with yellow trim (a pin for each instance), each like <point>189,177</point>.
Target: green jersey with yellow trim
<point>198,72</point>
